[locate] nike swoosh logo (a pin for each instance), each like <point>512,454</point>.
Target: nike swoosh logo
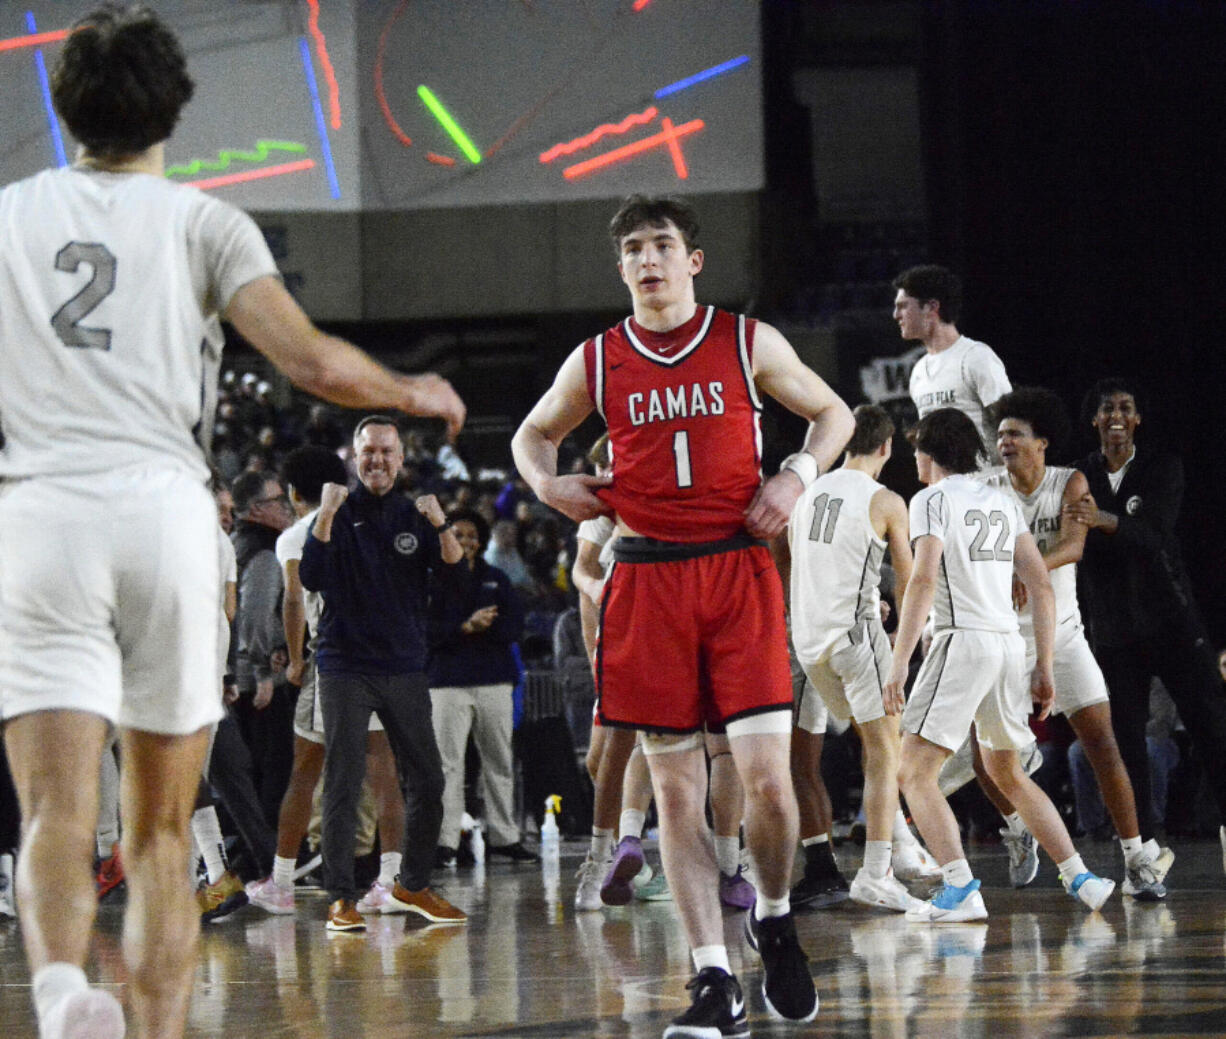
<point>359,523</point>
<point>738,1007</point>
<point>614,367</point>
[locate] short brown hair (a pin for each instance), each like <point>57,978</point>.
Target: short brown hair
<point>641,210</point>
<point>873,428</point>
<point>950,439</point>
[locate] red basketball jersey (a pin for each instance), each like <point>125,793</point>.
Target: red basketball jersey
<point>684,424</point>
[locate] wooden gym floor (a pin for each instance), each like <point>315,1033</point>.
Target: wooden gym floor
<point>529,965</point>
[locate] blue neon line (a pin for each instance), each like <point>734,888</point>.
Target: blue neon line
<point>320,127</point>
<point>40,66</point>
<point>698,77</point>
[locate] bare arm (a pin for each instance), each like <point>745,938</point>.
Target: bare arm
<point>535,444</point>
<point>888,509</point>
<point>229,600</point>
<point>1030,568</point>
<point>293,619</point>
<point>587,573</point>
<point>1072,541</point>
<point>912,616</point>
<point>332,368</point>
<point>779,372</point>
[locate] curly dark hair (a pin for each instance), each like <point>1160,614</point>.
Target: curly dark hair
<point>1037,406</point>
<point>950,439</point>
<point>472,516</point>
<point>1104,388</point>
<point>640,210</point>
<point>121,80</point>
<point>929,281</point>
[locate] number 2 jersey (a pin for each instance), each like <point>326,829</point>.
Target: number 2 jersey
<point>111,287</point>
<point>684,424</point>
<point>977,526</point>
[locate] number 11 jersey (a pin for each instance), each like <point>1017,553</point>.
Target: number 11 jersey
<point>684,424</point>
<point>111,287</point>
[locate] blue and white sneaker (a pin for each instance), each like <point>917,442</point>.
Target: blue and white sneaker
<point>1092,891</point>
<point>952,905</point>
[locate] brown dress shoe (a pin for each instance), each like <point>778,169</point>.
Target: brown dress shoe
<point>343,915</point>
<point>426,903</point>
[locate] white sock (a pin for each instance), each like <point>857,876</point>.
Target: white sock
<point>389,868</point>
<point>55,981</point>
<point>602,844</point>
<point>712,956</point>
<point>764,907</point>
<point>957,873</point>
<point>1131,847</point>
<point>821,838</point>
<point>631,823</point>
<point>206,831</point>
<point>283,872</point>
<point>877,857</point>
<point>902,832</point>
<point>728,854</point>
<point>1015,824</point>
<point>1071,868</point>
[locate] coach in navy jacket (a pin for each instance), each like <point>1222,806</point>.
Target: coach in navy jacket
<point>371,554</point>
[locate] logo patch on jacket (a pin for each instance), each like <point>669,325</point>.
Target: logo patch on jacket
<point>1133,505</point>
<point>406,543</point>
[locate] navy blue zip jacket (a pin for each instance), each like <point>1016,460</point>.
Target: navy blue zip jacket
<point>483,658</point>
<point>374,575</point>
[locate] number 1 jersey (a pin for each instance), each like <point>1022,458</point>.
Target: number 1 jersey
<point>684,424</point>
<point>111,287</point>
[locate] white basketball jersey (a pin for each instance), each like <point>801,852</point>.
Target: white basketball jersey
<point>290,545</point>
<point>968,376</point>
<point>977,526</point>
<point>111,286</point>
<point>1042,513</point>
<point>836,560</point>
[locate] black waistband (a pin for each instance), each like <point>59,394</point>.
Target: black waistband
<point>649,550</point>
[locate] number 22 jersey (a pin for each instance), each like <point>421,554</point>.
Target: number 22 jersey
<point>684,423</point>
<point>977,526</point>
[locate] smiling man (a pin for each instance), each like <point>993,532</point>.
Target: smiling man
<point>692,618</point>
<point>370,554</point>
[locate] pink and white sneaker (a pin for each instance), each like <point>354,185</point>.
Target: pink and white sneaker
<point>271,897</point>
<point>375,900</point>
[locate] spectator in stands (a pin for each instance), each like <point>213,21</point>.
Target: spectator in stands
<point>475,618</point>
<point>1139,607</point>
<point>503,553</point>
<point>265,704</point>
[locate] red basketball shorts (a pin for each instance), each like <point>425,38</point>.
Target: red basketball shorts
<point>691,635</point>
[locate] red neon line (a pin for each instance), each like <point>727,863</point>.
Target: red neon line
<point>380,96</point>
<point>33,40</point>
<point>579,143</point>
<point>675,149</point>
<point>640,4</point>
<point>626,151</point>
<point>440,160</point>
<point>321,52</point>
<point>246,175</point>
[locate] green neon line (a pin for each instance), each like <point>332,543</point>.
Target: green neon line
<point>449,124</point>
<point>225,157</point>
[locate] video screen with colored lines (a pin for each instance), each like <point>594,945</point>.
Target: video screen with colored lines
<point>273,124</point>
<point>507,101</point>
<point>405,104</point>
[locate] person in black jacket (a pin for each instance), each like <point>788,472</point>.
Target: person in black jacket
<point>1139,607</point>
<point>475,616</point>
<point>371,554</point>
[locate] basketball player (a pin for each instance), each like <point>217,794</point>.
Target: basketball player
<point>112,284</point>
<point>969,539</point>
<point>1028,421</point>
<point>840,529</point>
<point>955,371</point>
<point>692,625</point>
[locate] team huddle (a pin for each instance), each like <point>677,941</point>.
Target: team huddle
<point>112,279</point>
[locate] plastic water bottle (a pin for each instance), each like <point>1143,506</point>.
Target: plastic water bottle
<point>478,843</point>
<point>550,836</point>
